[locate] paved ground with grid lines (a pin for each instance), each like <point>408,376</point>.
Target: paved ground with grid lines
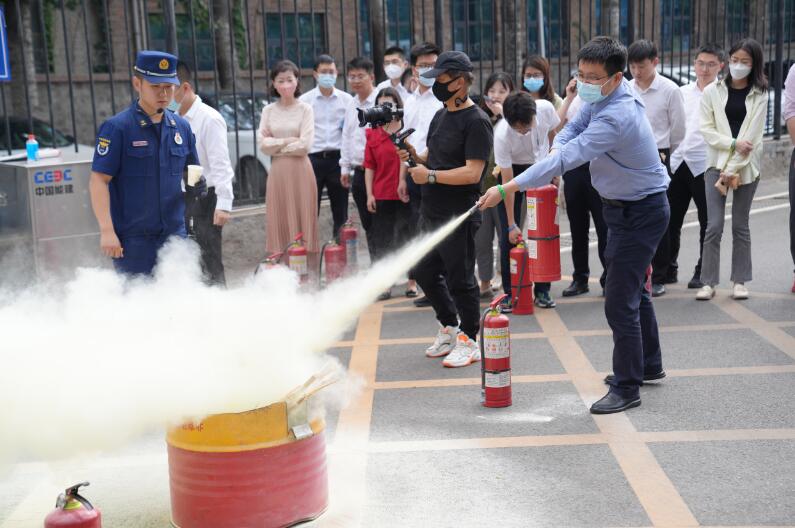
<point>712,445</point>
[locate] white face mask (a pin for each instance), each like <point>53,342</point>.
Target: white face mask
<point>739,71</point>
<point>423,81</point>
<point>393,71</point>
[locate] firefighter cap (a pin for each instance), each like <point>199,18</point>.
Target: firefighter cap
<point>157,67</point>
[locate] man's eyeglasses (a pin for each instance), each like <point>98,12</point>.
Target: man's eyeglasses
<point>589,79</point>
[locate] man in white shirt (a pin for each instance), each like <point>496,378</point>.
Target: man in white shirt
<point>394,66</point>
<point>329,105</point>
<point>582,203</point>
<point>666,112</point>
<point>360,78</point>
<point>521,140</point>
<point>213,212</point>
<point>689,160</point>
<point>419,110</point>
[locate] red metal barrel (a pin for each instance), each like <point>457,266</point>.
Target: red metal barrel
<point>246,470</point>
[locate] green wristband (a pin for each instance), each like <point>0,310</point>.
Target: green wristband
<point>502,191</point>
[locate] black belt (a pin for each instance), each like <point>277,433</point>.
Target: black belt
<point>324,154</point>
<point>626,203</point>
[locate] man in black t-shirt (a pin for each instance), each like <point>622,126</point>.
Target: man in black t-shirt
<point>449,172</point>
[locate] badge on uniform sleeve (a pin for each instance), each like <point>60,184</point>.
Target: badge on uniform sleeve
<point>177,138</point>
<point>103,146</point>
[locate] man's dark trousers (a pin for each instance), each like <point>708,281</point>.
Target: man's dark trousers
<point>633,231</point>
<point>582,203</point>
<point>359,190</point>
<point>208,236</point>
<point>662,256</point>
<point>447,276</point>
<point>326,166</point>
<point>685,186</point>
<point>792,206</point>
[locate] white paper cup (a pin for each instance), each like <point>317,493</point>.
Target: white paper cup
<point>194,174</point>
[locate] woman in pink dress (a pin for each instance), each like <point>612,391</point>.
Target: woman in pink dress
<point>286,132</point>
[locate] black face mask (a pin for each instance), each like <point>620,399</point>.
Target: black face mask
<point>441,92</point>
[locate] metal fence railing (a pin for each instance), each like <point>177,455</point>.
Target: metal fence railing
<point>71,59</point>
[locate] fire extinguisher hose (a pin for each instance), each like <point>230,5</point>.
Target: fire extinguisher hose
<point>320,266</point>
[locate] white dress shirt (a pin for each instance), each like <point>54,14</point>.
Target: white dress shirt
<point>513,148</point>
<point>574,107</point>
<point>693,148</point>
<point>209,128</point>
<point>418,113</point>
<point>665,109</point>
<point>404,94</point>
<point>353,139</point>
<point>329,117</point>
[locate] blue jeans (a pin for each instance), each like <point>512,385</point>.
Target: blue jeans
<point>633,233</point>
<point>140,253</point>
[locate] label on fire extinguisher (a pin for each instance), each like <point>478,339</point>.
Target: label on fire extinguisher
<point>557,211</point>
<point>514,267</point>
<point>497,343</point>
<point>498,380</point>
<point>532,249</point>
<point>350,254</point>
<point>532,215</point>
<point>298,264</point>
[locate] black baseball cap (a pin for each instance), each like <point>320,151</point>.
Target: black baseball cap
<point>449,61</point>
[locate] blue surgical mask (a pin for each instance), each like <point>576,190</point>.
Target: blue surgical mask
<point>423,81</point>
<point>532,84</point>
<point>173,105</point>
<point>591,93</point>
<point>326,80</point>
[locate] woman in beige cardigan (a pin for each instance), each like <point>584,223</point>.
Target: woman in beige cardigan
<point>733,114</point>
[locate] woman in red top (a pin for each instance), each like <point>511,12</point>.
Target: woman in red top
<point>382,173</point>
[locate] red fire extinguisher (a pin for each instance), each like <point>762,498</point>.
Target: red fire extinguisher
<point>73,511</point>
<point>521,285</point>
<point>495,349</point>
<point>543,234</point>
<point>334,255</point>
<point>269,262</point>
<point>348,237</point>
<point>297,258</point>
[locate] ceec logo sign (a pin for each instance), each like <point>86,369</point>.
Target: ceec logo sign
<point>53,176</point>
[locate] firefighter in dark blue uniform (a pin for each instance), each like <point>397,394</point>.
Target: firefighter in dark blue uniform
<point>140,162</point>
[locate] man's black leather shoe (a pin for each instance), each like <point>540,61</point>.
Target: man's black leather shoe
<point>657,290</point>
<point>576,288</point>
<point>613,403</point>
<point>695,283</point>
<point>422,302</point>
<point>646,377</point>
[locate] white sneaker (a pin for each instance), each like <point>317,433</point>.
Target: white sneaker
<point>706,293</point>
<point>739,291</point>
<point>465,353</point>
<point>444,342</point>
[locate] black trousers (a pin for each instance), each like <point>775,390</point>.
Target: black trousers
<point>199,222</point>
<point>390,227</point>
<point>662,257</point>
<point>327,174</point>
<point>447,276</point>
<point>502,236</point>
<point>583,203</point>
<point>792,206</point>
<point>633,232</point>
<point>359,190</point>
<point>415,203</point>
<point>684,187</point>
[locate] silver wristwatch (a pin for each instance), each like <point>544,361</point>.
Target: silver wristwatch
<point>432,177</point>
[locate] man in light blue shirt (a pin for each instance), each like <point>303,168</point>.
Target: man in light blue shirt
<point>613,133</point>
